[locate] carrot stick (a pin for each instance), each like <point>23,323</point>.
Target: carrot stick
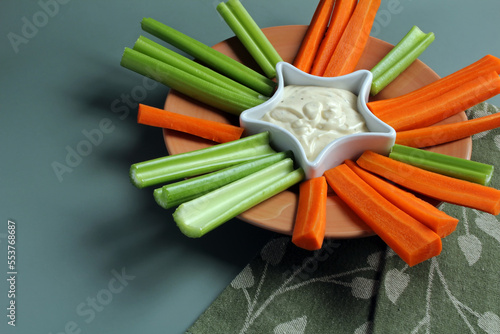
<point>215,131</point>
<point>440,134</point>
<point>434,185</point>
<point>314,35</point>
<point>482,66</point>
<point>340,17</point>
<point>310,221</point>
<point>458,99</point>
<point>423,211</point>
<point>353,41</point>
<point>411,240</point>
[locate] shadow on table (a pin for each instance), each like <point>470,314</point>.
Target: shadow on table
<point>144,239</point>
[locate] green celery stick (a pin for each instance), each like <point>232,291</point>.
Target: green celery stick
<point>464,169</point>
<point>250,34</point>
<point>201,215</point>
<point>188,84</point>
<point>157,51</point>
<point>174,194</point>
<point>399,58</point>
<point>205,160</point>
<point>210,57</point>
<point>254,30</point>
<point>250,45</point>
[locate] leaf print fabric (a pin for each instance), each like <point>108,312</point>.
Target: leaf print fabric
<point>470,245</point>
<point>289,290</point>
<point>296,326</point>
<point>360,286</point>
<point>395,283</point>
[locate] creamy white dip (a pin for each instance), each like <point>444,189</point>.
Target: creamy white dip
<point>317,115</point>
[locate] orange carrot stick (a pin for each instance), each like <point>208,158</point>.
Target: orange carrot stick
<point>426,213</point>
<point>314,35</point>
<point>482,66</point>
<point>434,185</point>
<point>440,134</point>
<point>353,41</point>
<point>215,131</point>
<point>411,240</point>
<point>310,221</point>
<point>458,99</point>
<point>342,12</point>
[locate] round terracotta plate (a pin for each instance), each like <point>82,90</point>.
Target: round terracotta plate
<point>277,213</point>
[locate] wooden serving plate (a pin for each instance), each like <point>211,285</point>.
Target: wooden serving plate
<point>278,213</point>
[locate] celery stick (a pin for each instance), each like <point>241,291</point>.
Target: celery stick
<point>464,169</point>
<point>174,194</point>
<point>210,57</point>
<point>157,51</point>
<point>250,45</point>
<point>188,84</point>
<point>399,58</point>
<point>251,36</point>
<point>201,215</point>
<point>254,30</point>
<point>205,160</point>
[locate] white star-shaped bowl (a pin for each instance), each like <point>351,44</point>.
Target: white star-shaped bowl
<point>380,138</point>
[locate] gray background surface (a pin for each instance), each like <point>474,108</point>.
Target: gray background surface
<point>60,82</point>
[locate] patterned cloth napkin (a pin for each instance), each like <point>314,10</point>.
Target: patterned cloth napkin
<point>360,286</point>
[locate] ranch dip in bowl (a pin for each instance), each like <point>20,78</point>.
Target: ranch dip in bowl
<point>317,115</point>
<point>322,120</point>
